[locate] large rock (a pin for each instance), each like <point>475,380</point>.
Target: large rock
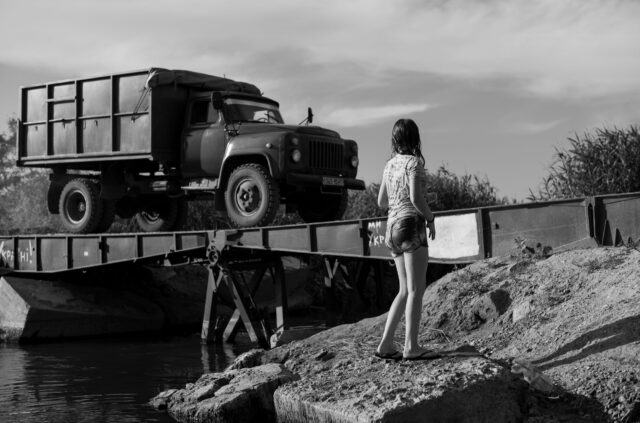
<point>491,306</point>
<point>239,395</point>
<point>470,389</point>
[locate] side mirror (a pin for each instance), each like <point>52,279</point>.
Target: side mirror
<point>309,115</point>
<point>216,99</point>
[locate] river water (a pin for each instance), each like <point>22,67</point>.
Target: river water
<point>102,380</point>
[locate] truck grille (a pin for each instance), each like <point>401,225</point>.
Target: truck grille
<point>326,155</point>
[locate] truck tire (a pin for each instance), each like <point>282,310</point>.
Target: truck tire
<point>80,206</point>
<point>161,215</point>
<point>252,196</point>
<point>314,206</point>
<point>53,195</point>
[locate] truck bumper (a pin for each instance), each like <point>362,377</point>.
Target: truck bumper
<point>300,179</point>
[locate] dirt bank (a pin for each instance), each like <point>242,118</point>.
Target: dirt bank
<point>574,316</point>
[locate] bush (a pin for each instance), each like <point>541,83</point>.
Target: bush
<point>23,206</point>
<point>363,204</point>
<point>461,192</point>
<point>22,209</point>
<point>606,162</point>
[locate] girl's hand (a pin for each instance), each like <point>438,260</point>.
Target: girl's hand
<point>432,229</point>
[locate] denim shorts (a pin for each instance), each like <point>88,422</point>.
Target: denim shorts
<point>406,235</point>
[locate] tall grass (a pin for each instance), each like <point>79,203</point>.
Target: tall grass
<point>605,162</point>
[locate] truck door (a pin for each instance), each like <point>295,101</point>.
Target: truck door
<point>204,141</point>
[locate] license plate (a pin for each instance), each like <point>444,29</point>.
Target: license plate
<point>336,182</point>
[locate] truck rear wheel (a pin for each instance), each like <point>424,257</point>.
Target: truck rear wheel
<point>159,215</point>
<point>252,196</point>
<point>80,206</point>
<point>315,206</point>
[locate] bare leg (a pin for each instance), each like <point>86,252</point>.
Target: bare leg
<point>416,269</point>
<point>396,309</point>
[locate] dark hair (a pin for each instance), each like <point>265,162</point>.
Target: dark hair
<point>405,138</point>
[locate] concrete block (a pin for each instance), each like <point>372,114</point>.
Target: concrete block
<point>41,309</point>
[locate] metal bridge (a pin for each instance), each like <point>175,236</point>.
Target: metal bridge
<point>463,236</point>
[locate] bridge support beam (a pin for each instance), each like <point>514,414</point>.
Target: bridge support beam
<point>245,313</point>
<point>210,334</point>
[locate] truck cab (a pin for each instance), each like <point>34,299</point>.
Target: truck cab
<point>239,145</point>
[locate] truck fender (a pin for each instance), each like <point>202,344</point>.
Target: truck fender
<point>233,161</point>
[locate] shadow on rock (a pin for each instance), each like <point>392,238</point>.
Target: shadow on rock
<point>616,334</point>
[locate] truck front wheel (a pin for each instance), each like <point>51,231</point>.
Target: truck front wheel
<point>80,206</point>
<point>252,196</point>
<point>315,206</point>
<point>159,215</point>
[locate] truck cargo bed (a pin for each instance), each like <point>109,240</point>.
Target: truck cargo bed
<point>80,123</point>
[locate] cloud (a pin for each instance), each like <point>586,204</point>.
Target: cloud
<point>569,48</point>
<point>364,116</point>
<point>531,128</point>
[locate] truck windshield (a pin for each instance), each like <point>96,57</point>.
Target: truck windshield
<point>251,111</point>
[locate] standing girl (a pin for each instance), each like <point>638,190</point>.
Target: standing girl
<point>403,190</point>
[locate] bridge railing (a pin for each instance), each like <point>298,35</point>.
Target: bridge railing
<point>463,236</point>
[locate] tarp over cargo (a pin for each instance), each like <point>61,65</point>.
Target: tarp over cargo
<point>159,76</point>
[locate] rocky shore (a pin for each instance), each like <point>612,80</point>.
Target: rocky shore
<point>519,339</point>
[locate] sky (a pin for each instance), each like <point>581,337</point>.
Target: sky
<point>495,86</point>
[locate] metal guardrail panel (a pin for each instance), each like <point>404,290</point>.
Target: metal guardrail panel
<point>53,253</point>
<point>85,251</point>
<point>550,224</point>
<point>341,238</point>
<point>617,218</point>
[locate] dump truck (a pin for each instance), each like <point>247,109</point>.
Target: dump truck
<point>143,143</point>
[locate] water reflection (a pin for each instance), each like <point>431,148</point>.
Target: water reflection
<point>101,381</point>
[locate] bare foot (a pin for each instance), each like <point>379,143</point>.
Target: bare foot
<point>416,352</point>
<point>386,349</point>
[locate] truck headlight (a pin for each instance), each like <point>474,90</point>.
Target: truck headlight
<point>354,161</point>
<point>296,155</point>
<point>295,141</point>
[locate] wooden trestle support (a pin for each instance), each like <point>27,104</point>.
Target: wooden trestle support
<point>245,312</point>
<point>229,270</point>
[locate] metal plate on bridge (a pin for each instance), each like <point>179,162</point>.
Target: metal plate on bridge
<point>27,253</point>
<point>550,224</point>
<point>342,238</point>
<point>157,244</point>
<point>85,251</point>
<point>119,248</point>
<point>53,253</point>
